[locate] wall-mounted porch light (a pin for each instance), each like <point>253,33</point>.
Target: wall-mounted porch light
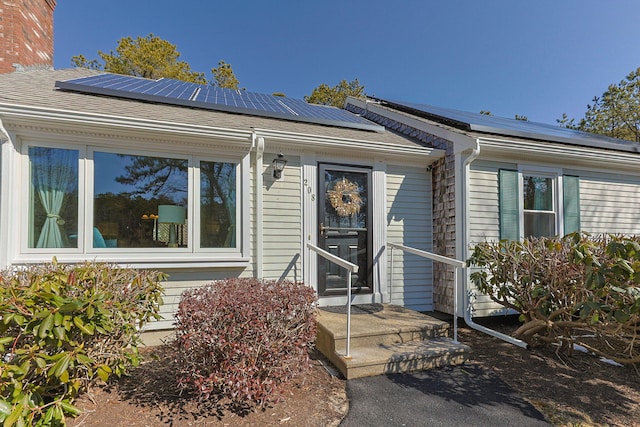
<point>278,166</point>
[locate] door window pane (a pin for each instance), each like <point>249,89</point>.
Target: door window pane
<point>53,198</point>
<point>218,227</point>
<point>128,193</point>
<point>346,194</point>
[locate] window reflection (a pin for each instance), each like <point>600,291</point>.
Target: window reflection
<point>538,193</point>
<point>539,213</point>
<point>127,192</point>
<point>138,201</point>
<point>218,226</point>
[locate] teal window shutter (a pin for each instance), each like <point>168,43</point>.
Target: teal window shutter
<point>571,203</point>
<point>509,205</point>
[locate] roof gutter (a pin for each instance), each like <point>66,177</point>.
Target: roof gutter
<point>578,153</point>
<point>16,112</point>
<point>468,317</point>
<point>335,144</point>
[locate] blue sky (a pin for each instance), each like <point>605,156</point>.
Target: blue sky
<point>534,58</point>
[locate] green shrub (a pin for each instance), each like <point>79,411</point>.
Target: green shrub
<point>533,277</point>
<point>242,338</point>
<point>62,328</point>
<point>560,286</point>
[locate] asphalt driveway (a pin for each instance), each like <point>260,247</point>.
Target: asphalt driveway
<point>451,396</point>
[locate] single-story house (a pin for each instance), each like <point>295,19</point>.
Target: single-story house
<point>205,184</point>
<point>93,169</point>
<point>507,179</point>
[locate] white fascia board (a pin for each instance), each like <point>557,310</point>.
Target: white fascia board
<point>462,141</point>
<point>576,154</point>
<point>304,141</point>
<point>23,113</point>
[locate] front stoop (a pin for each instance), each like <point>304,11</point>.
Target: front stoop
<point>389,339</point>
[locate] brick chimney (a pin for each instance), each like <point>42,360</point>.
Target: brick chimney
<point>26,34</point>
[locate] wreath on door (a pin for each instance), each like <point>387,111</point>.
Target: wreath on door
<point>345,198</point>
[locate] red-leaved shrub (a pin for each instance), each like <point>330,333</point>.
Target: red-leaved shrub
<point>244,338</point>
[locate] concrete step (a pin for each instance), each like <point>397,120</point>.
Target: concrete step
<point>386,339</point>
<point>391,325</point>
<point>399,358</point>
<point>385,334</point>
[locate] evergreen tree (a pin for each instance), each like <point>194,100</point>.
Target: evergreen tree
<point>337,95</point>
<point>616,113</point>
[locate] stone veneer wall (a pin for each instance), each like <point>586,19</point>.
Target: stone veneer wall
<point>444,216</point>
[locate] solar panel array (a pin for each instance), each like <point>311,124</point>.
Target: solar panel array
<point>512,127</point>
<point>175,92</point>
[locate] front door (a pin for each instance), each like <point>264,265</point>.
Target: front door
<point>344,228</point>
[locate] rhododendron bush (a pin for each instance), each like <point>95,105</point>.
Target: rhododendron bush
<point>577,289</point>
<point>64,327</point>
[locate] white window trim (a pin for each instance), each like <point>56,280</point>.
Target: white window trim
<point>195,236</point>
<point>189,257</point>
<point>90,200</point>
<point>24,189</point>
<point>544,172</point>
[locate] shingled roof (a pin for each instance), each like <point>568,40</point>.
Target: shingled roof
<point>37,89</point>
<point>482,124</point>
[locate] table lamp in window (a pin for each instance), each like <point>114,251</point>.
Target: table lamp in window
<point>174,216</point>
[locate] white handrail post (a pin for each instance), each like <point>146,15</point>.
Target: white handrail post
<point>351,268</point>
<point>348,355</point>
<point>457,264</point>
<point>455,305</point>
<point>391,277</point>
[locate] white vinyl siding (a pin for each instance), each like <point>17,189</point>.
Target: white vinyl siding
<point>282,221</point>
<point>409,221</point>
<point>484,220</point>
<point>178,282</point>
<point>609,203</point>
<point>484,215</point>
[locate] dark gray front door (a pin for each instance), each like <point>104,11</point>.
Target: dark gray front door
<point>344,228</point>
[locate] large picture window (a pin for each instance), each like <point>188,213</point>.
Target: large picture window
<point>132,203</point>
<point>128,190</point>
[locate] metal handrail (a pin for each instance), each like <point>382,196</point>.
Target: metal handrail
<point>351,268</point>
<point>439,258</point>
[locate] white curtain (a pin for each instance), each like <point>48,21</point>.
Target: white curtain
<point>53,172</point>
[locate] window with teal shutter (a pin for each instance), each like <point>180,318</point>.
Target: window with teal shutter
<point>571,203</point>
<point>539,210</point>
<point>509,205</point>
<point>537,204</point>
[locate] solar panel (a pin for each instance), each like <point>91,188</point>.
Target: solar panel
<point>175,92</point>
<point>512,127</point>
